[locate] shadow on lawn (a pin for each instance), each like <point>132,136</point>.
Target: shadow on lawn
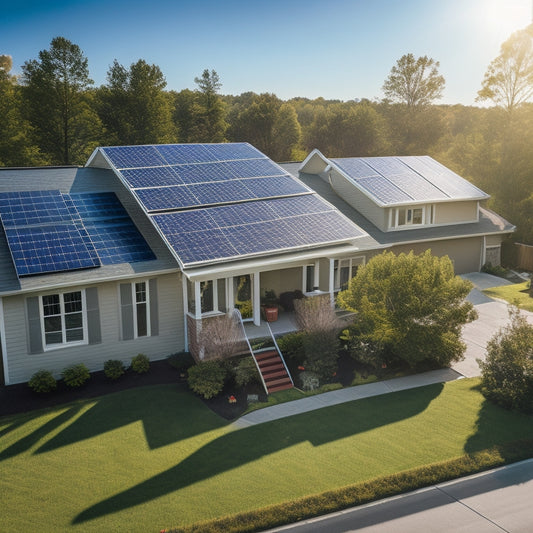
<point>164,410</point>
<point>240,447</point>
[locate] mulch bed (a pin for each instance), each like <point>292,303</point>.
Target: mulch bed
<point>20,398</point>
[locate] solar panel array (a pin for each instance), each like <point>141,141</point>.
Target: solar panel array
<point>395,180</point>
<point>52,232</point>
<point>225,201</point>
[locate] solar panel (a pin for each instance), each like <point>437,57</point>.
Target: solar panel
<point>275,186</point>
<point>221,192</point>
<point>386,165</point>
<point>416,186</point>
<point>166,198</point>
<point>176,154</point>
<point>205,172</point>
<point>32,207</point>
<point>40,250</point>
<point>299,205</point>
<point>383,190</point>
<point>355,167</point>
<point>133,156</point>
<point>185,221</point>
<point>235,215</point>
<point>232,151</point>
<point>255,168</point>
<point>151,177</point>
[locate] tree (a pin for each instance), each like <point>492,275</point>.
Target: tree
<point>134,107</point>
<point>208,110</point>
<point>414,82</point>
<point>413,305</point>
<point>57,102</point>
<point>508,81</point>
<point>507,372</point>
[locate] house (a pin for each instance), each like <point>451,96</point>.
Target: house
<point>136,251</point>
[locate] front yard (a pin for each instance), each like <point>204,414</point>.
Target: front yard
<point>154,457</point>
<point>517,293</point>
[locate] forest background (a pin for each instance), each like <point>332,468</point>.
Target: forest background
<point>54,115</point>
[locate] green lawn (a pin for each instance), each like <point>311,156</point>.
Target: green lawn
<point>516,293</point>
<point>155,457</point>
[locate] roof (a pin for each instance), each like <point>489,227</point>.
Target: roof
<point>490,223</point>
<point>393,181</point>
<point>224,202</point>
<point>78,186</point>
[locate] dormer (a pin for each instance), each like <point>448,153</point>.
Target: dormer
<point>399,193</point>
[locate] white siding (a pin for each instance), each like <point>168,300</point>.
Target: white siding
<point>21,364</point>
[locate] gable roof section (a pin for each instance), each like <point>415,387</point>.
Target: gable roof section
<point>392,181</point>
<point>224,202</point>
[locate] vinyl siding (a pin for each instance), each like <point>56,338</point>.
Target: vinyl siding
<point>455,212</point>
<point>21,365</point>
<point>359,201</point>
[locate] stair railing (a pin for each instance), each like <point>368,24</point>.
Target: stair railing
<point>237,313</point>
<point>279,353</point>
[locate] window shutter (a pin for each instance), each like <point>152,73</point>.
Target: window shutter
<point>93,316</point>
<point>126,311</point>
<point>35,339</point>
<point>154,313</point>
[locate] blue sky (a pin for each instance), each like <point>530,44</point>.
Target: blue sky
<point>337,49</point>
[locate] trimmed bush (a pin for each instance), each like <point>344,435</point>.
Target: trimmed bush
<point>292,346</point>
<point>42,381</point>
<point>140,364</point>
<point>207,378</point>
<point>75,375</point>
<point>181,361</point>
<point>113,368</point>
<point>246,372</point>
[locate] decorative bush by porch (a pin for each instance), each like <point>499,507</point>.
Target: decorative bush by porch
<point>75,375</point>
<point>246,372</point>
<point>207,378</point>
<point>42,381</point>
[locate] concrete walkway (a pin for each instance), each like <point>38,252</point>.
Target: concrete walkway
<point>492,315</point>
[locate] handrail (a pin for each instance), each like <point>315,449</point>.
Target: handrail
<point>279,352</point>
<point>239,316</point>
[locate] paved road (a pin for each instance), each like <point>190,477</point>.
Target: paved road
<point>497,501</point>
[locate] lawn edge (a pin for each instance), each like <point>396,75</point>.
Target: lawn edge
<point>364,492</point>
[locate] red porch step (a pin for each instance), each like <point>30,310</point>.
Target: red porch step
<point>273,371</point>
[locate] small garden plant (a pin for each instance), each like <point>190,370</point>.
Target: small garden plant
<point>75,375</point>
<point>207,378</point>
<point>42,381</point>
<point>114,368</point>
<point>140,364</point>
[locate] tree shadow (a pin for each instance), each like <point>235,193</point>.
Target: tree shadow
<point>30,440</point>
<point>244,446</point>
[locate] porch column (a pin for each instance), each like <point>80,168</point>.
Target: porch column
<point>256,298</point>
<point>332,281</point>
<point>316,280</point>
<point>197,301</point>
<point>185,295</point>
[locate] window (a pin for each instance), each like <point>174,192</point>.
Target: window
<point>139,309</point>
<point>409,216</point>
<point>142,321</point>
<point>309,272</point>
<point>345,270</point>
<point>212,296</point>
<point>63,318</point>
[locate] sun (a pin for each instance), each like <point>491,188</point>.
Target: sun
<point>505,16</point>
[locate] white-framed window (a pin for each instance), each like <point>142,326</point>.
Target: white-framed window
<point>345,270</point>
<point>402,217</point>
<point>310,277</point>
<point>211,296</point>
<point>141,307</point>
<point>63,319</point>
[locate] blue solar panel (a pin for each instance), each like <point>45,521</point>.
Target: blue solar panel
<point>33,207</point>
<point>275,186</point>
<point>151,177</point>
<point>221,192</point>
<point>177,154</point>
<point>204,172</point>
<point>299,205</point>
<point>233,151</point>
<point>355,167</point>
<point>255,168</point>
<point>416,186</point>
<point>383,190</point>
<point>40,250</point>
<point>185,221</point>
<point>133,156</point>
<point>166,198</point>
<point>246,213</point>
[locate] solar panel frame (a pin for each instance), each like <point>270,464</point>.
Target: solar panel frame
<point>123,157</point>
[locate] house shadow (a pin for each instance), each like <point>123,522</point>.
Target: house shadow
<point>120,409</point>
<point>244,446</point>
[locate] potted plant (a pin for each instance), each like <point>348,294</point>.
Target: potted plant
<point>270,305</point>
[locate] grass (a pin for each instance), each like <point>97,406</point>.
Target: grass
<point>516,294</point>
<point>155,457</point>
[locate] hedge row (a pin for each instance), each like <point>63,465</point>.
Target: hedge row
<point>365,492</point>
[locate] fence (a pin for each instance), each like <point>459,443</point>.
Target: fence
<point>525,257</point>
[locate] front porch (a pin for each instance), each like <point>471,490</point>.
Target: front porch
<point>286,323</point>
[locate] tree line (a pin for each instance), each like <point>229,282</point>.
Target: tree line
<point>54,115</point>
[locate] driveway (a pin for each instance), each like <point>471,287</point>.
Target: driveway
<point>493,314</point>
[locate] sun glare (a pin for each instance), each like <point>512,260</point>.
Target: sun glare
<point>505,16</point>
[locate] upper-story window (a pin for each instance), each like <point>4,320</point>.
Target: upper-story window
<point>63,318</point>
<point>403,217</point>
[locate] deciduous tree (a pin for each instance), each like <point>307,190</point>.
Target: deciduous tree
<point>412,304</point>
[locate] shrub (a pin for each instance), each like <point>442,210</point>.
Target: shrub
<point>362,347</point>
<point>75,375</point>
<point>220,336</point>
<point>140,363</point>
<point>113,369</point>
<point>207,378</point>
<point>309,381</point>
<point>246,372</point>
<point>507,372</point>
<point>181,361</point>
<point>42,381</point>
<point>292,346</point>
